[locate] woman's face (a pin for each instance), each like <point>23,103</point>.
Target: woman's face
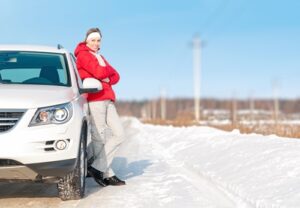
<point>93,43</point>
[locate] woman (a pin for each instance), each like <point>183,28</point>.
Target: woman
<point>104,115</point>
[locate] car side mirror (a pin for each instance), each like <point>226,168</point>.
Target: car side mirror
<point>90,85</point>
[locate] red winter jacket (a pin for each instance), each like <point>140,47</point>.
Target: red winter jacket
<point>88,66</point>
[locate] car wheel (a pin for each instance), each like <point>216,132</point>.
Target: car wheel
<point>72,186</point>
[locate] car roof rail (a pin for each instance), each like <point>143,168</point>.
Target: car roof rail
<point>59,46</point>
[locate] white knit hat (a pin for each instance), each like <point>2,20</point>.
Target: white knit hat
<point>93,35</point>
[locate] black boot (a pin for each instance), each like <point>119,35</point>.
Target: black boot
<point>114,181</point>
<point>88,175</point>
<point>97,175</point>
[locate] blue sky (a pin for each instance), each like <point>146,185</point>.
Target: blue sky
<point>248,45</point>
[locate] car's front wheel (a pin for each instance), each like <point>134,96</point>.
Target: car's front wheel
<point>72,186</point>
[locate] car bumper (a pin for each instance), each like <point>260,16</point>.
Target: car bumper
<point>36,171</point>
<point>29,145</point>
<point>34,152</point>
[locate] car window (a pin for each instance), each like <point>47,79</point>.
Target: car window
<point>21,67</point>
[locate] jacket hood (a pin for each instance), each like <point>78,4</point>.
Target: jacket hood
<point>81,47</point>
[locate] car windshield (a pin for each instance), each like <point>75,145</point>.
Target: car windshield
<point>21,67</point>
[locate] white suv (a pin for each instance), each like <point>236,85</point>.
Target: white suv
<point>44,118</point>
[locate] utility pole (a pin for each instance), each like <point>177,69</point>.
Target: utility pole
<point>144,113</point>
<point>251,107</point>
<point>197,73</point>
<point>234,111</point>
<point>163,104</point>
<point>276,103</point>
<point>149,112</point>
<point>153,107</point>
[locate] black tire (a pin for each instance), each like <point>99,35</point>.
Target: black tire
<point>72,186</point>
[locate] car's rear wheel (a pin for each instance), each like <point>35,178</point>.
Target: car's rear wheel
<point>72,186</point>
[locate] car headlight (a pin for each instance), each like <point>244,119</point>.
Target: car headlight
<point>56,114</point>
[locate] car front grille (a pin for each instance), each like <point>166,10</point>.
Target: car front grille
<point>9,118</point>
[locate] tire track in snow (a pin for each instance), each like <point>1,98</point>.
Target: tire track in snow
<point>198,179</point>
<point>205,188</point>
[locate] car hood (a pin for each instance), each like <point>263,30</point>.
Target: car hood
<point>33,96</point>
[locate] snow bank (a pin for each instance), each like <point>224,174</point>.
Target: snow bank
<point>263,171</point>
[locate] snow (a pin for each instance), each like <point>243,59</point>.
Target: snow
<point>167,166</point>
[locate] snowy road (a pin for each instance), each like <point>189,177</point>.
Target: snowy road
<point>185,167</point>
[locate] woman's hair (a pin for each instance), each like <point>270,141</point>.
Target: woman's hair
<point>91,30</point>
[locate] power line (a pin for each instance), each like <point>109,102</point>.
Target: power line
<point>217,14</point>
